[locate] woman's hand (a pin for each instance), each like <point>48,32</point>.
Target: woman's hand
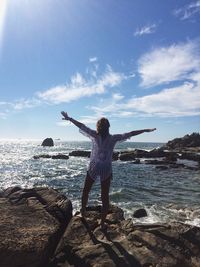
<point>65,115</point>
<point>150,130</point>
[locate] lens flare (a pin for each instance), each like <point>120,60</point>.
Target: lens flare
<point>3,5</point>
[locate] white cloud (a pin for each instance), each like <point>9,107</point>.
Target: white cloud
<point>179,101</point>
<point>147,29</point>
<point>3,115</point>
<point>25,103</point>
<point>165,64</point>
<point>93,59</point>
<point>80,87</point>
<point>63,123</point>
<point>188,11</point>
<point>117,96</point>
<point>183,100</point>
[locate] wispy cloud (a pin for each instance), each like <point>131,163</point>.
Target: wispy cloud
<point>26,103</point>
<point>79,87</point>
<point>188,11</point>
<point>3,115</point>
<point>165,64</point>
<point>147,29</point>
<point>3,10</point>
<point>179,101</point>
<point>93,59</point>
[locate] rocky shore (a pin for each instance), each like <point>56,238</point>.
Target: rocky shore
<point>171,155</point>
<point>37,229</point>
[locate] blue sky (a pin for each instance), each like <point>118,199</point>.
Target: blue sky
<point>136,62</point>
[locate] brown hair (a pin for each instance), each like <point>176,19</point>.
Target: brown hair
<point>103,126</point>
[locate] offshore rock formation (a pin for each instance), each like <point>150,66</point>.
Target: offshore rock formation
<point>48,142</point>
<point>37,229</point>
<point>47,156</point>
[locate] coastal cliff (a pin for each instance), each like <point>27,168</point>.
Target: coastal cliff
<point>37,229</point>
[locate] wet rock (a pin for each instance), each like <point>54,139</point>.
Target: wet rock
<point>115,155</point>
<point>60,156</point>
<point>140,213</point>
<point>155,161</point>
<point>80,153</point>
<point>190,156</point>
<point>139,153</point>
<point>157,153</point>
<point>43,156</point>
<point>46,156</point>
<point>48,142</point>
<point>136,161</point>
<point>31,229</point>
<point>126,156</point>
<point>162,167</point>
<point>171,157</point>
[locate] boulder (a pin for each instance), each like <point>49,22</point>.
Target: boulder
<point>32,222</point>
<point>140,213</point>
<point>48,142</point>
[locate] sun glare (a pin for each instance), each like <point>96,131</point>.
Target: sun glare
<point>3,4</point>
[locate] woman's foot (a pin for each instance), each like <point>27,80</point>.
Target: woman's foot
<point>82,212</point>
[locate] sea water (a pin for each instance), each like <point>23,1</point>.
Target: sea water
<point>167,195</point>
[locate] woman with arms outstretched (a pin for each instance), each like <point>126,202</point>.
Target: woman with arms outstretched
<point>101,159</point>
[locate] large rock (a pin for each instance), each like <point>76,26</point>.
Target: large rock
<point>139,213</point>
<point>48,142</point>
<point>192,140</point>
<point>126,244</point>
<point>31,224</point>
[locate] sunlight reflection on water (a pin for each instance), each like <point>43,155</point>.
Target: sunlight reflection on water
<point>133,186</point>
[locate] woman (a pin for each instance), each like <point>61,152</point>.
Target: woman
<point>101,159</point>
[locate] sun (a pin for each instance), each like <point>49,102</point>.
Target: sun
<point>3,5</point>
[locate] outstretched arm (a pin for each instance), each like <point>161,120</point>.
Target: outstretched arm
<point>133,133</point>
<point>82,128</point>
<point>75,122</point>
<point>125,136</point>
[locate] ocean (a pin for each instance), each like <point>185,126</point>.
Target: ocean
<point>167,195</point>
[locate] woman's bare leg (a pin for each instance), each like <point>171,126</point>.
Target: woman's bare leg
<point>86,190</point>
<point>105,187</point>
